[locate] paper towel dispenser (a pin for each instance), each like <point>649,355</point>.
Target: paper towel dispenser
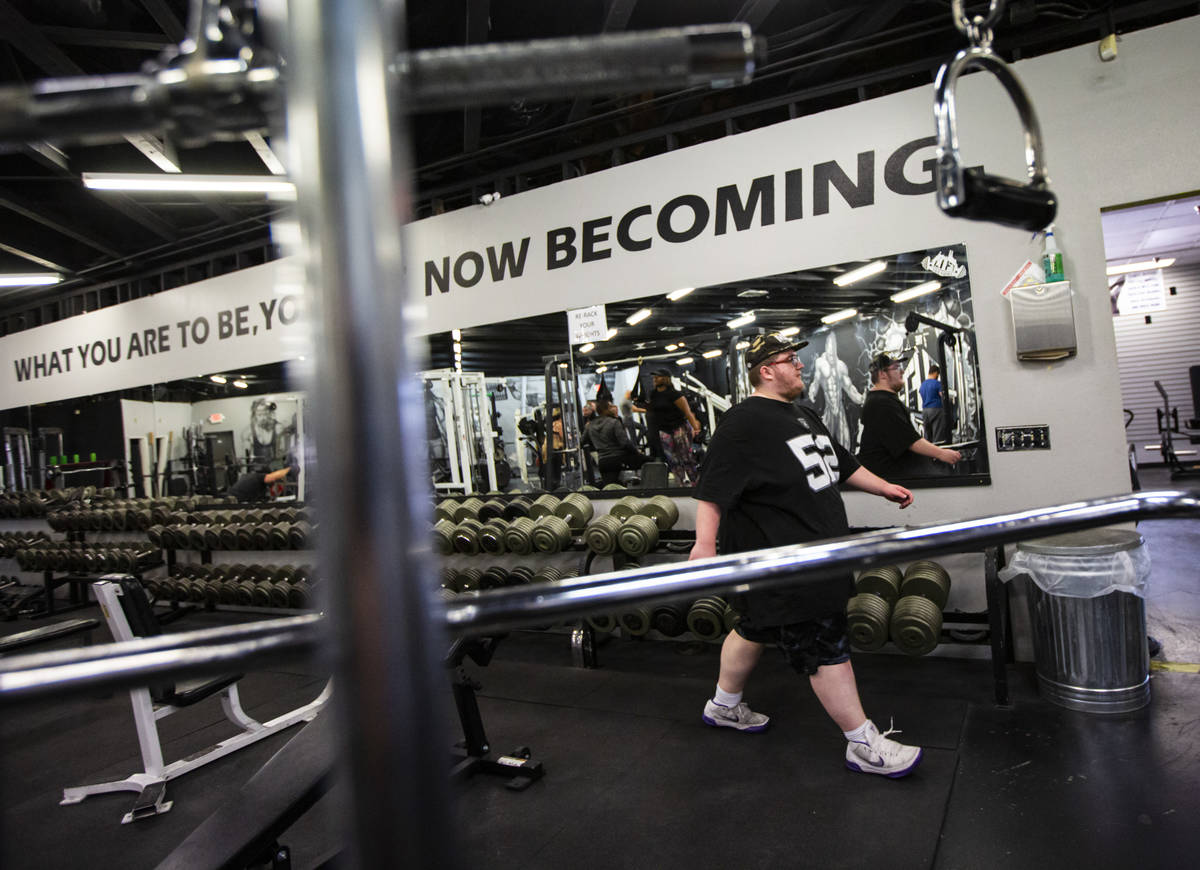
<point>1043,321</point>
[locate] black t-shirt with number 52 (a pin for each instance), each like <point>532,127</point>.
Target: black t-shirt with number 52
<point>774,470</point>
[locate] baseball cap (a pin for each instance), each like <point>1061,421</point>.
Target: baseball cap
<point>661,373</point>
<point>883,361</point>
<point>763,347</point>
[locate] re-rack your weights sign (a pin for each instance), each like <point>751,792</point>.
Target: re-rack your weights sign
<point>233,321</point>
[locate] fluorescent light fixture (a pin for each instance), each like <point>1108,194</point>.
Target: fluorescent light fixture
<point>861,272</point>
<point>128,181</point>
<point>1143,266</point>
<point>671,347</point>
<point>748,317</point>
<point>710,354</point>
<point>914,292</point>
<point>612,331</point>
<point>791,330</point>
<point>741,345</point>
<point>676,295</point>
<point>456,334</point>
<point>844,314</point>
<point>457,347</point>
<point>458,355</point>
<point>587,348</point>
<point>638,316</point>
<point>218,379</point>
<point>29,279</point>
<point>601,369</point>
<point>240,384</point>
<point>562,365</point>
<point>684,361</point>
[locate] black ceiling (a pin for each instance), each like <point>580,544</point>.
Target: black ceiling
<point>114,247</point>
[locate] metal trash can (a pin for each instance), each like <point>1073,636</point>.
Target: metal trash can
<point>1088,611</point>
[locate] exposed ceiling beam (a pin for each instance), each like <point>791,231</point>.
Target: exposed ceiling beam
<point>755,12</point>
<point>34,258</point>
<point>161,12</point>
<point>477,31</point>
<point>51,218</point>
<point>105,38</point>
<point>616,17</point>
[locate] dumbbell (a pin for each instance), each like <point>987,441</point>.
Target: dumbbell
<point>468,580</point>
<point>466,537</point>
<point>601,535</point>
<point>916,625</point>
<point>636,621</point>
<point>228,536</point>
<point>491,536</point>
<point>882,580</point>
<point>494,577</point>
<point>491,509</point>
<point>624,508</point>
<point>468,509</point>
<point>543,506</point>
<point>868,618</point>
<point>302,535</point>
<point>518,507</point>
<point>551,534</point>
<point>521,575</point>
<point>443,537</point>
<point>576,509</point>
<point>669,619</point>
<point>638,535</point>
<point>929,580</point>
<point>518,537</point>
<point>261,535</point>
<point>602,622</point>
<point>706,618</point>
<point>662,510</point>
<point>445,509</point>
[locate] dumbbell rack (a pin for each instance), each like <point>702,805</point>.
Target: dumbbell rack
<point>78,582</point>
<point>206,558</point>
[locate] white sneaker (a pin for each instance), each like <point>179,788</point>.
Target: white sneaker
<point>879,754</point>
<point>740,717</point>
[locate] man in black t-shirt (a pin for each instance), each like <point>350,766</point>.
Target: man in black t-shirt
<point>771,478</point>
<point>252,486</point>
<point>891,445</point>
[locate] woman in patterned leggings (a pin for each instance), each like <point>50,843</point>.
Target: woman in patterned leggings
<point>676,424</point>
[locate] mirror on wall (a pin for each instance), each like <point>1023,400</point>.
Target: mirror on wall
<point>192,436</point>
<point>915,304</point>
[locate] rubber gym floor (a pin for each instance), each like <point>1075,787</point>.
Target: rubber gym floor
<point>634,779</point>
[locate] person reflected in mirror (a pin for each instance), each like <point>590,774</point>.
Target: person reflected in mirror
<point>552,446</point>
<point>256,485</point>
<point>933,411</point>
<point>771,477</point>
<point>676,423</point>
<point>891,447</point>
<point>831,376</point>
<point>606,434</point>
<point>634,427</point>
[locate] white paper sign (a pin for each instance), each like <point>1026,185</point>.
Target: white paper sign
<point>1142,293</point>
<point>587,324</point>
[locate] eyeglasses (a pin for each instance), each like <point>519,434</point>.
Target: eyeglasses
<point>791,358</point>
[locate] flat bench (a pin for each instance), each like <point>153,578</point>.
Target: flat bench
<point>46,632</point>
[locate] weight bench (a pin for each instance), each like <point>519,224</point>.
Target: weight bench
<point>47,632</point>
<point>245,831</point>
<point>129,614</point>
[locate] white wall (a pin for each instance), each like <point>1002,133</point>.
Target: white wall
<point>1114,133</point>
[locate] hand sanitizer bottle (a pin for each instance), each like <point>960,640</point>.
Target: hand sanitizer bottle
<point>1052,258</point>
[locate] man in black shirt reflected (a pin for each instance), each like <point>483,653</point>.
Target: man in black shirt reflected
<point>771,478</point>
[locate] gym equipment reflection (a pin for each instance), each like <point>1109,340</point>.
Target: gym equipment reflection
<point>915,304</point>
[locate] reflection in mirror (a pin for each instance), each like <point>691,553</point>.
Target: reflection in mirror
<point>915,305</point>
<point>189,437</point>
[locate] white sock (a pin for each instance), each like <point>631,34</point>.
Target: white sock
<point>726,699</point>
<point>859,734</point>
